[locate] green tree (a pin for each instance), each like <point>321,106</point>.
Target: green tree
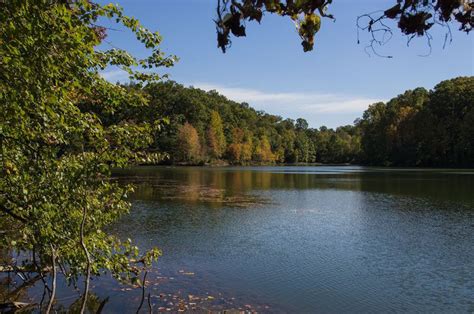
<point>56,160</point>
<point>421,128</point>
<point>302,147</point>
<point>374,137</point>
<point>301,124</point>
<point>410,129</point>
<point>451,103</point>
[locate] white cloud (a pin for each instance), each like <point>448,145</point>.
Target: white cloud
<point>311,101</point>
<point>116,75</point>
<point>318,108</point>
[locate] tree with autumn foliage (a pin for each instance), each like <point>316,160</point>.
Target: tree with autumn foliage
<point>188,146</point>
<point>234,150</point>
<point>263,151</point>
<point>215,136</point>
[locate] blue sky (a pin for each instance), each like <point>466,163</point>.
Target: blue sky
<point>332,85</point>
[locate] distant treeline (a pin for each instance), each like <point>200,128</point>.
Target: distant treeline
<point>422,128</point>
<point>417,128</point>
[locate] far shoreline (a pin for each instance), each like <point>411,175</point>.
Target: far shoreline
<point>250,165</point>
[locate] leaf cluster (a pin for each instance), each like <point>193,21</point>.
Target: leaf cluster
<point>413,17</point>
<point>306,15</point>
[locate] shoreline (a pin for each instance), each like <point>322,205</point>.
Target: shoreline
<point>249,165</point>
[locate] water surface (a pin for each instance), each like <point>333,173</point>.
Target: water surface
<point>306,239</point>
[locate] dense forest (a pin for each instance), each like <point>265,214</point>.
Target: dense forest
<point>417,128</point>
<point>422,128</point>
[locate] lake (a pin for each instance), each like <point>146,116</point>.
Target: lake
<point>308,239</point>
<point>300,239</point>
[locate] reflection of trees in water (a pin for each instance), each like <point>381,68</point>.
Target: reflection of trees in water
<point>25,289</point>
<point>23,294</point>
<point>21,298</point>
<point>217,184</point>
<point>434,185</point>
<point>10,291</point>
<point>226,186</point>
<point>94,304</point>
<point>215,189</point>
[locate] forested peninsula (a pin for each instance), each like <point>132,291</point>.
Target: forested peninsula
<point>429,128</point>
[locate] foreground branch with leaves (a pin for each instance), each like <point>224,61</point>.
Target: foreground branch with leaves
<point>413,17</point>
<point>55,188</point>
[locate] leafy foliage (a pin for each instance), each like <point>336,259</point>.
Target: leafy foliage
<point>56,159</point>
<point>420,127</point>
<point>205,126</point>
<point>215,136</point>
<point>188,145</point>
<point>305,14</point>
<point>414,17</point>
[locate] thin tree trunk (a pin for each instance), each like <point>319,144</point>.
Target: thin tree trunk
<point>53,290</point>
<point>150,307</point>
<point>88,270</point>
<point>143,292</point>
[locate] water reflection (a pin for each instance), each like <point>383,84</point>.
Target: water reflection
<point>298,239</point>
<point>215,184</point>
<point>27,292</point>
<point>335,239</point>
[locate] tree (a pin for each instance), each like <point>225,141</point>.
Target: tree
<point>234,151</point>
<point>235,148</point>
<point>215,136</point>
<point>374,138</point>
<point>302,147</point>
<point>421,128</point>
<point>56,159</point>
<point>301,124</point>
<point>403,120</point>
<point>263,151</point>
<point>414,17</point>
<point>451,105</point>
<point>246,149</point>
<point>188,143</point>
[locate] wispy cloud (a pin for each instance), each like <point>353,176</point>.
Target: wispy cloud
<point>318,108</point>
<point>115,75</point>
<point>312,101</point>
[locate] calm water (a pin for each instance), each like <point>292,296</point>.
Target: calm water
<point>302,239</point>
<point>310,239</point>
